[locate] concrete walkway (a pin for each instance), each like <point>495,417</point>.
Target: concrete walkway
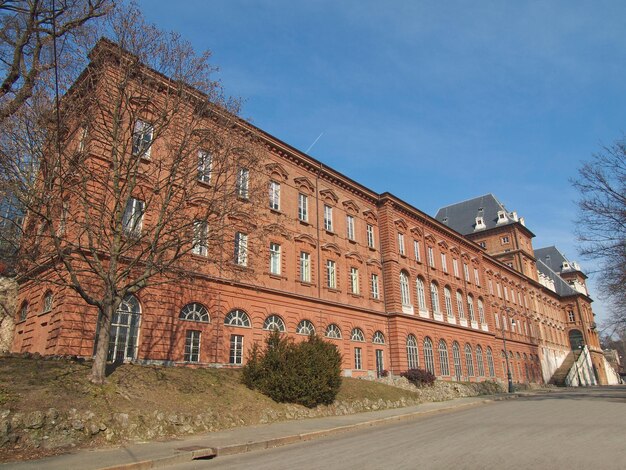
<point>238,440</point>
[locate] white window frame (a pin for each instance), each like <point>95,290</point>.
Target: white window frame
<point>416,250</point>
<point>275,258</point>
<point>192,346</point>
<point>358,358</point>
<point>354,280</point>
<point>447,294</point>
<point>370,236</point>
<point>328,218</point>
<point>235,356</point>
<point>444,263</point>
<point>455,267</point>
<point>476,277</point>
<point>459,305</point>
<point>401,249</point>
<point>200,238</point>
<point>143,138</point>
<point>243,183</point>
<point>205,166</point>
<point>132,221</point>
<point>466,272</point>
<point>375,289</point>
<point>303,207</point>
<point>305,266</point>
<point>431,257</point>
<point>331,274</point>
<point>421,294</point>
<point>405,295</point>
<point>350,227</point>
<point>274,195</point>
<point>434,297</point>
<point>241,249</point>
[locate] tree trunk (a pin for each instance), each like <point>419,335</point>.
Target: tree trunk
<point>98,370</point>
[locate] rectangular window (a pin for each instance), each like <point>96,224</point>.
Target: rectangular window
<point>431,257</point>
<point>143,134</point>
<point>274,258</point>
<point>380,363</point>
<point>506,293</point>
<point>476,277</point>
<point>200,238</point>
<point>328,218</point>
<point>416,249</point>
<point>401,243</point>
<point>241,249</point>
<point>466,272</point>
<point>192,346</point>
<point>303,207</point>
<point>370,236</point>
<point>305,266</point>
<point>496,317</point>
<point>570,316</point>
<point>350,227</point>
<point>243,183</point>
<point>236,349</point>
<point>82,138</point>
<point>455,267</point>
<point>354,281</point>
<point>133,217</point>
<point>483,244</point>
<point>499,289</point>
<point>274,195</point>
<point>375,290</point>
<point>358,365</point>
<point>444,263</point>
<point>331,274</point>
<point>505,240</point>
<point>205,165</point>
<point>490,283</point>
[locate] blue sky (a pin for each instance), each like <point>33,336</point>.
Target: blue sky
<point>435,102</point>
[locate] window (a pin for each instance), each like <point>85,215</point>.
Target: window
<point>303,207</point>
<point>479,361</point>
<point>331,274</point>
<point>499,289</point>
<point>481,312</point>
<point>469,360</point>
<point>490,284</point>
<point>237,318</point>
<point>456,357</point>
<point>470,308</point>
<point>448,300</point>
<point>354,280</point>
<point>236,349</point>
<point>504,240</point>
<point>375,291</point>
<point>379,338</point>
<point>350,227</point>
<point>274,322</point>
<point>275,258</point>
<point>497,319</point>
<point>133,217</point>
<point>404,288</point>
<point>506,293</point>
<point>192,346</point>
<point>570,316</point>
<point>82,139</point>
<point>434,297</point>
<point>305,327</point>
<point>370,235</point>
<point>47,302</point>
<point>195,312</point>
<point>482,244</point>
<point>455,267</point>
<point>504,323</point>
<point>274,195</point>
<point>205,165</point>
<point>459,305</point>
<point>241,249</point>
<point>492,371</point>
<point>476,277</point>
<point>401,243</point>
<point>24,311</point>
<point>305,266</point>
<point>333,331</point>
<point>431,257</point>
<point>380,363</point>
<point>357,335</point>
<point>243,182</point>
<point>124,330</point>
<point>357,359</point>
<point>466,272</point>
<point>428,355</point>
<point>421,295</point>
<point>444,263</point>
<point>444,366</point>
<point>142,139</point>
<point>412,352</point>
<point>200,238</point>
<point>328,218</point>
<point>416,249</point>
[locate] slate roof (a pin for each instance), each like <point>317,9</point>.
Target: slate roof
<point>553,258</point>
<point>562,288</point>
<point>462,215</point>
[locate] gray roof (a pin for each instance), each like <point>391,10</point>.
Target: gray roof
<point>462,215</point>
<point>562,288</point>
<point>553,258</point>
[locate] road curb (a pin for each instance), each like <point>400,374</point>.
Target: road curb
<point>184,455</point>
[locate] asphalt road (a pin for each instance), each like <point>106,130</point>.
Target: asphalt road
<point>583,429</point>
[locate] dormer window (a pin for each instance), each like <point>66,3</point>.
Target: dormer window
<point>565,266</point>
<point>480,223</point>
<point>502,217</point>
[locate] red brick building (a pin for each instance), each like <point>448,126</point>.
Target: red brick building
<point>391,286</point>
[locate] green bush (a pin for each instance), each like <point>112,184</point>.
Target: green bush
<point>307,373</point>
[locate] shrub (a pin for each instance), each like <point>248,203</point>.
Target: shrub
<point>307,373</point>
<point>419,377</point>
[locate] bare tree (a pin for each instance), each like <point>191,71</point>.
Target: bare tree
<point>601,183</point>
<point>140,180</point>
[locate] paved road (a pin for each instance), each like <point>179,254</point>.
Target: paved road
<point>580,429</point>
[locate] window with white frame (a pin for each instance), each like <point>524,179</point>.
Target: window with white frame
<point>506,293</point>
<point>481,312</point>
<point>459,305</point>
<point>357,335</point>
<point>434,297</point>
<point>305,327</point>
<point>274,322</point>
<point>243,183</point>
<point>490,284</point>
<point>370,236</point>
<point>504,322</point>
<point>570,316</point>
<point>143,134</point>
<point>404,288</point>
<point>205,166</point>
<point>476,277</point>
<point>431,257</point>
<point>236,349</point>
<point>200,238</point>
<point>456,357</point>
<point>331,274</point>
<point>47,302</point>
<point>350,227</point>
<point>328,218</point>
<point>444,365</point>
<point>305,266</point>
<point>274,195</point>
<point>469,360</point>
<point>354,280</point>
<point>513,295</point>
<point>133,217</point>
<point>466,272</point>
<point>333,331</point>
<point>241,249</point>
<point>275,260</point>
<point>448,300</point>
<point>505,240</point>
<point>492,371</point>
<point>192,346</point>
<point>412,353</point>
<point>421,294</point>
<point>378,338</point>
<point>194,312</point>
<point>470,308</point>
<point>416,251</point>
<point>455,267</point>
<point>358,364</point>
<point>499,289</point>
<point>429,358</point>
<point>519,297</point>
<point>444,263</point>
<point>237,317</point>
<point>496,317</point>
<point>401,244</point>
<point>24,311</point>
<point>480,365</point>
<point>375,290</point>
<point>303,207</point>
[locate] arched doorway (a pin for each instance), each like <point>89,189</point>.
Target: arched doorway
<point>576,340</point>
<point>124,329</point>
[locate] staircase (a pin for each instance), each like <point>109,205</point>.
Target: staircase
<point>558,378</point>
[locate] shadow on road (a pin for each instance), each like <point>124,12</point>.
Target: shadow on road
<point>616,394</point>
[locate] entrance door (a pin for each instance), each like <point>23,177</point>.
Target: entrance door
<point>124,329</point>
<point>576,340</point>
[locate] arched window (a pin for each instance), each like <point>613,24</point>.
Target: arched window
<point>237,318</point>
<point>456,355</point>
<point>47,302</point>
<point>448,299</point>
<point>24,311</point>
<point>411,352</point>
<point>421,296</point>
<point>404,288</point>
<point>469,360</point>
<point>195,312</point>
<point>480,365</point>
<point>434,297</point>
<point>492,371</point>
<point>124,329</point>
<point>333,331</point>
<point>357,335</point>
<point>428,355</point>
<point>274,322</point>
<point>481,311</point>
<point>470,308</point>
<point>443,358</point>
<point>305,327</point>
<point>459,304</point>
<point>379,338</point>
